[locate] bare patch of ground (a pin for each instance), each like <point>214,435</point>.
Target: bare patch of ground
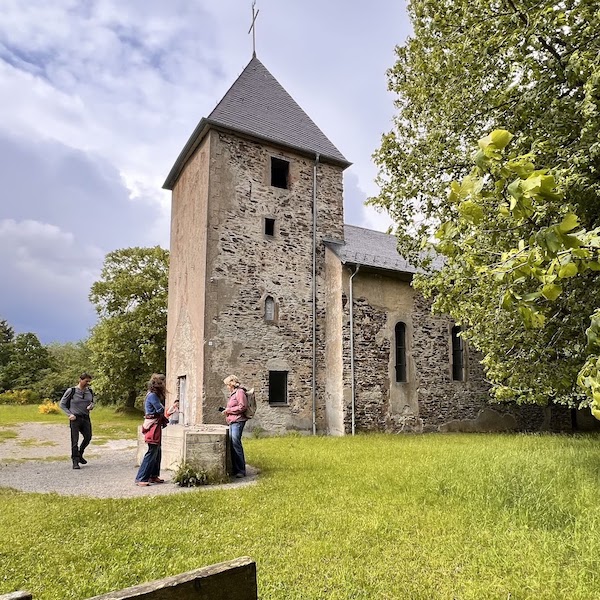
<point>38,460</point>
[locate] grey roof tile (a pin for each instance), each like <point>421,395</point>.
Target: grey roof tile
<point>257,105</point>
<point>374,249</point>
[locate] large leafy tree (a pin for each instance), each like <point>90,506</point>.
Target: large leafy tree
<point>529,66</point>
<point>521,273</point>
<point>532,68</point>
<point>129,341</point>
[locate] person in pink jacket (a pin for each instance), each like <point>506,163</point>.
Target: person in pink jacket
<point>235,415</point>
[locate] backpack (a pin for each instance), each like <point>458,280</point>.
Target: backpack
<point>251,397</point>
<point>72,393</point>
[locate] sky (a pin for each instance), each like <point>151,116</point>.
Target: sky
<point>98,98</point>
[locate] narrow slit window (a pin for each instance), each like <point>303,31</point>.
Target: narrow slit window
<point>280,171</point>
<point>278,387</point>
<point>269,226</point>
<point>269,309</point>
<point>458,355</point>
<point>401,352</point>
<point>182,398</point>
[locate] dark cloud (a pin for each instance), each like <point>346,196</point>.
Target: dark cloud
<point>61,212</point>
<point>48,182</point>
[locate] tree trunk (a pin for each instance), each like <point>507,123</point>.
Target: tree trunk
<point>131,396</point>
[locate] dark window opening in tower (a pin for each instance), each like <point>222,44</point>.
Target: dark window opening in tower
<point>269,226</point>
<point>458,355</point>
<point>400,352</point>
<point>278,387</point>
<point>280,170</point>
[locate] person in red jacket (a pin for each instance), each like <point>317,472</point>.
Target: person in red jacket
<point>235,415</point>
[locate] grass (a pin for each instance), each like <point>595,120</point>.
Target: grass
<point>107,424</point>
<point>457,516</point>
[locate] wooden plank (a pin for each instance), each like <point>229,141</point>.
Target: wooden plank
<point>231,580</point>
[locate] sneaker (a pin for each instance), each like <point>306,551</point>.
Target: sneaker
<point>82,460</point>
<point>240,475</point>
<point>156,480</point>
<point>76,465</point>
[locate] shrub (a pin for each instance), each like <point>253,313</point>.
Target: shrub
<point>20,397</point>
<point>189,475</point>
<point>47,407</point>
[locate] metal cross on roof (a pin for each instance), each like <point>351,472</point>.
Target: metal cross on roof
<point>253,28</point>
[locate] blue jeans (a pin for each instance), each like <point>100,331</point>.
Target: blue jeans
<point>237,451</point>
<point>150,466</point>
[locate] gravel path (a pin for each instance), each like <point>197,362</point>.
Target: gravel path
<point>37,460</point>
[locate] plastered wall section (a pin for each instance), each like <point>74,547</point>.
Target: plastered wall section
<point>334,385</point>
<point>187,283</point>
<point>382,404</point>
<point>430,400</point>
<point>245,266</point>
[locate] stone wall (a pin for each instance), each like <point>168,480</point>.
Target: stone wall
<point>429,400</point>
<point>244,266</point>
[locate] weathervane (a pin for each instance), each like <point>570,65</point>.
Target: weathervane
<point>253,28</point>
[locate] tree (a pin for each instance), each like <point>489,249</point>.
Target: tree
<point>68,362</point>
<point>532,68</point>
<point>129,341</point>
<point>29,362</point>
<point>7,335</point>
<point>519,273</point>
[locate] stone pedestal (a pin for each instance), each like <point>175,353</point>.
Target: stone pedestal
<point>205,446</point>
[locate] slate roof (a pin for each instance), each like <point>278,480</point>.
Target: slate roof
<point>257,105</point>
<point>372,249</point>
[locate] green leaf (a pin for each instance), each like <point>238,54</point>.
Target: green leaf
<point>568,223</point>
<point>501,138</point>
<point>471,211</point>
<point>568,270</point>
<point>551,291</point>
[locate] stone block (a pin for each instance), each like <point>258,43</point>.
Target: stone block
<point>206,446</point>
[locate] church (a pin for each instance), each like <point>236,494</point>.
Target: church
<point>267,282</point>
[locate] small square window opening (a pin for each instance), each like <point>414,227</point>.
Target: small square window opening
<point>269,226</point>
<point>280,170</point>
<point>278,387</point>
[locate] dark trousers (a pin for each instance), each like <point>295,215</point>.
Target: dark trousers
<point>150,466</point>
<point>83,426</point>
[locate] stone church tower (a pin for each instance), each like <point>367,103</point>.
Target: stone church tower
<point>255,192</point>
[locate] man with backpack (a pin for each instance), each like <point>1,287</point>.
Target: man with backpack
<point>76,403</point>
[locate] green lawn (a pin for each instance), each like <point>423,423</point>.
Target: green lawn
<point>455,516</point>
<point>107,424</point>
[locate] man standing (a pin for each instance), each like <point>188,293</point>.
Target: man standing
<point>76,403</point>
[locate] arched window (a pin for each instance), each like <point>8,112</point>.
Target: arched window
<point>458,355</point>
<point>269,308</point>
<point>400,352</point>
